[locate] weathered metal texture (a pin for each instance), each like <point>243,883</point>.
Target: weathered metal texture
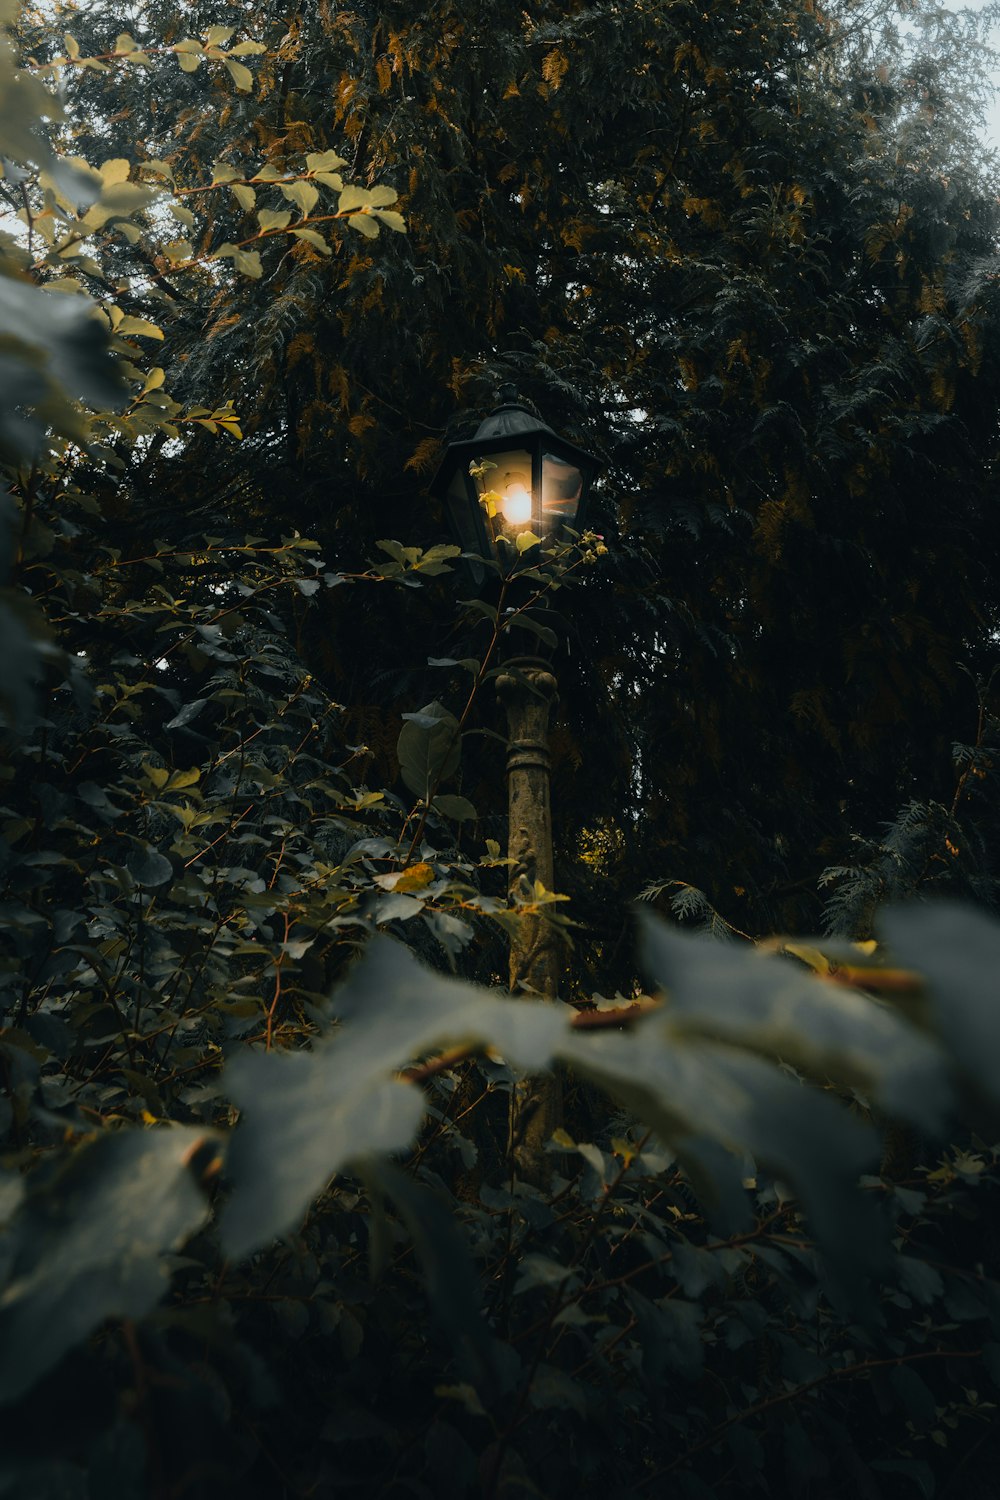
<point>529,692</point>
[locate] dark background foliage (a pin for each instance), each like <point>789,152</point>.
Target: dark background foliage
<point>746,254</point>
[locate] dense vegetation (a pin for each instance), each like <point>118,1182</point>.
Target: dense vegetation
<point>260,1232</point>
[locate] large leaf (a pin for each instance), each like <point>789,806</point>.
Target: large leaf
<point>429,747</point>
<point>686,1086</point>
<point>957,950</point>
<point>308,1115</point>
<point>773,1006</point>
<point>89,1245</point>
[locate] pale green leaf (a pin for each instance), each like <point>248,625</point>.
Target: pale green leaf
<point>324,161</point>
<point>244,195</point>
<point>92,1247</point>
<point>268,219</point>
<point>391,219</point>
<point>115,170</point>
<point>365,225</point>
<point>240,74</point>
<point>303,194</point>
<point>312,238</point>
<point>459,808</point>
<point>139,327</point>
<point>351,198</point>
<point>248,263</point>
<point>381,196</point>
<point>957,950</point>
<point>762,1001</point>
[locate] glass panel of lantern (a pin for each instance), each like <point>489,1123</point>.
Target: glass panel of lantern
<point>508,496</point>
<point>561,493</point>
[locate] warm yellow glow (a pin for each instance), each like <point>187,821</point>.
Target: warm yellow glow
<point>516,505</point>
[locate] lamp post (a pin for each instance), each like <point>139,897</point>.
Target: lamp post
<point>516,482</point>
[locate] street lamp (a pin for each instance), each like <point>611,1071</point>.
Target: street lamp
<point>514,477</point>
<point>513,485</point>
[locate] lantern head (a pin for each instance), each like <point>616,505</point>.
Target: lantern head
<point>515,478</point>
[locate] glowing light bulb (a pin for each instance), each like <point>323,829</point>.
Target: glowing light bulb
<point>516,505</point>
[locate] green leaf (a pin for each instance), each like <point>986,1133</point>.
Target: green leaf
<point>913,1392</point>
<point>957,950</point>
<point>429,749</point>
<point>148,867</point>
<point>244,195</point>
<point>139,327</point>
<point>223,172</point>
<point>458,808</point>
<point>734,994</point>
<point>454,1287</point>
<point>686,1087</point>
<point>89,1244</point>
<point>308,1115</point>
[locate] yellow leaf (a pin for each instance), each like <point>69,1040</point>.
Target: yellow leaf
<point>303,194</point>
<point>139,328</point>
<point>312,238</point>
<point>240,74</point>
<point>218,36</point>
<point>416,878</point>
<point>391,219</point>
<point>365,225</point>
<point>244,195</point>
<point>268,219</point>
<point>324,161</point>
<point>811,956</point>
<point>154,379</point>
<point>351,198</point>
<point>249,263</point>
<point>526,539</point>
<point>115,170</point>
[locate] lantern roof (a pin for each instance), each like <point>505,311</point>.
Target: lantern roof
<point>510,419</point>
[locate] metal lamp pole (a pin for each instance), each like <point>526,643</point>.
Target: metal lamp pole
<point>529,693</point>
<point>514,476</point>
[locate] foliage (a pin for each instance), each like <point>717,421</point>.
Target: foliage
<point>259,1227</point>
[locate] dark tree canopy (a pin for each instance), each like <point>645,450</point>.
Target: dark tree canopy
<point>259,1228</point>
